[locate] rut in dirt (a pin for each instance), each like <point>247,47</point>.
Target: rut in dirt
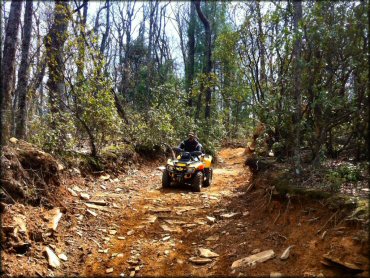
<point>127,225</point>
<point>176,232</point>
<point>162,233</point>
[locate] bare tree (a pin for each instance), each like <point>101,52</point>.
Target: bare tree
<point>23,74</point>
<point>191,54</point>
<point>8,68</point>
<point>103,44</point>
<point>153,14</point>
<point>297,16</point>
<point>261,48</point>
<point>54,43</point>
<point>207,69</point>
<point>125,47</point>
<point>81,41</point>
<point>2,9</point>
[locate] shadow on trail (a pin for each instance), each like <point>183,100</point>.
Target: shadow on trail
<point>178,188</point>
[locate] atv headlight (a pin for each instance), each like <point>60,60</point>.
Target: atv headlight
<point>169,167</point>
<point>191,170</point>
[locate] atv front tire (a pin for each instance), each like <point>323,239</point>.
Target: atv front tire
<point>208,175</point>
<point>197,182</point>
<point>166,180</point>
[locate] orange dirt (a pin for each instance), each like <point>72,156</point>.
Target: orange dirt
<point>157,230</point>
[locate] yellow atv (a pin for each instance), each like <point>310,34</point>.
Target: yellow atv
<point>191,168</point>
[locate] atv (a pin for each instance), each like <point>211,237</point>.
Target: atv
<point>190,168</point>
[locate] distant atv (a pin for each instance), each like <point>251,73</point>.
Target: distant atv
<point>190,168</point>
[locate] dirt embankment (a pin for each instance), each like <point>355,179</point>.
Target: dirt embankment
<point>128,225</point>
<point>28,175</point>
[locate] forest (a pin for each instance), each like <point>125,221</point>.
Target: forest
<point>288,81</point>
<point>79,75</point>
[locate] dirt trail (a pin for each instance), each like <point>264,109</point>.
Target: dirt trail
<point>144,230</point>
<point>157,232</point>
<point>140,229</point>
<point>165,227</point>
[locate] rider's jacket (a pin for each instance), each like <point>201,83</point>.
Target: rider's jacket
<point>190,146</point>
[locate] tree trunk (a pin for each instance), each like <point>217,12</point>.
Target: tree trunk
<point>37,83</point>
<point>263,76</point>
<point>23,73</point>
<point>2,26</point>
<point>199,102</point>
<point>236,127</point>
<point>40,67</point>
<point>153,10</point>
<point>80,63</point>
<point>297,16</point>
<point>120,109</point>
<point>81,43</point>
<point>150,34</point>
<point>191,55</point>
<point>125,59</point>
<point>54,44</point>
<point>7,69</point>
<point>2,8</point>
<point>207,69</point>
<point>103,44</point>
<point>367,135</point>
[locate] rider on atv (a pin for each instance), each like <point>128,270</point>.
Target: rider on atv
<point>191,144</point>
<point>189,166</point>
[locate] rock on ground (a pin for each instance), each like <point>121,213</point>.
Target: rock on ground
<point>199,260</point>
<point>286,253</point>
<point>256,258</point>
<point>206,253</point>
<point>52,258</point>
<point>276,275</point>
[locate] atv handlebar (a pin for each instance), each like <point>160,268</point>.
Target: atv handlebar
<point>195,153</point>
<point>177,149</point>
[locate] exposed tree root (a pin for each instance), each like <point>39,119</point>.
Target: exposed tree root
<point>28,174</point>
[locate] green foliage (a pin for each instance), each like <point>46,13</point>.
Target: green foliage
<point>234,91</point>
<point>210,134</point>
<point>334,79</point>
<point>344,173</point>
<point>115,150</point>
<point>332,61</point>
<point>278,148</point>
<point>334,180</point>
<point>93,105</point>
<point>350,173</point>
<point>54,139</point>
<point>166,121</point>
<point>95,111</point>
<point>261,145</point>
<point>285,184</point>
